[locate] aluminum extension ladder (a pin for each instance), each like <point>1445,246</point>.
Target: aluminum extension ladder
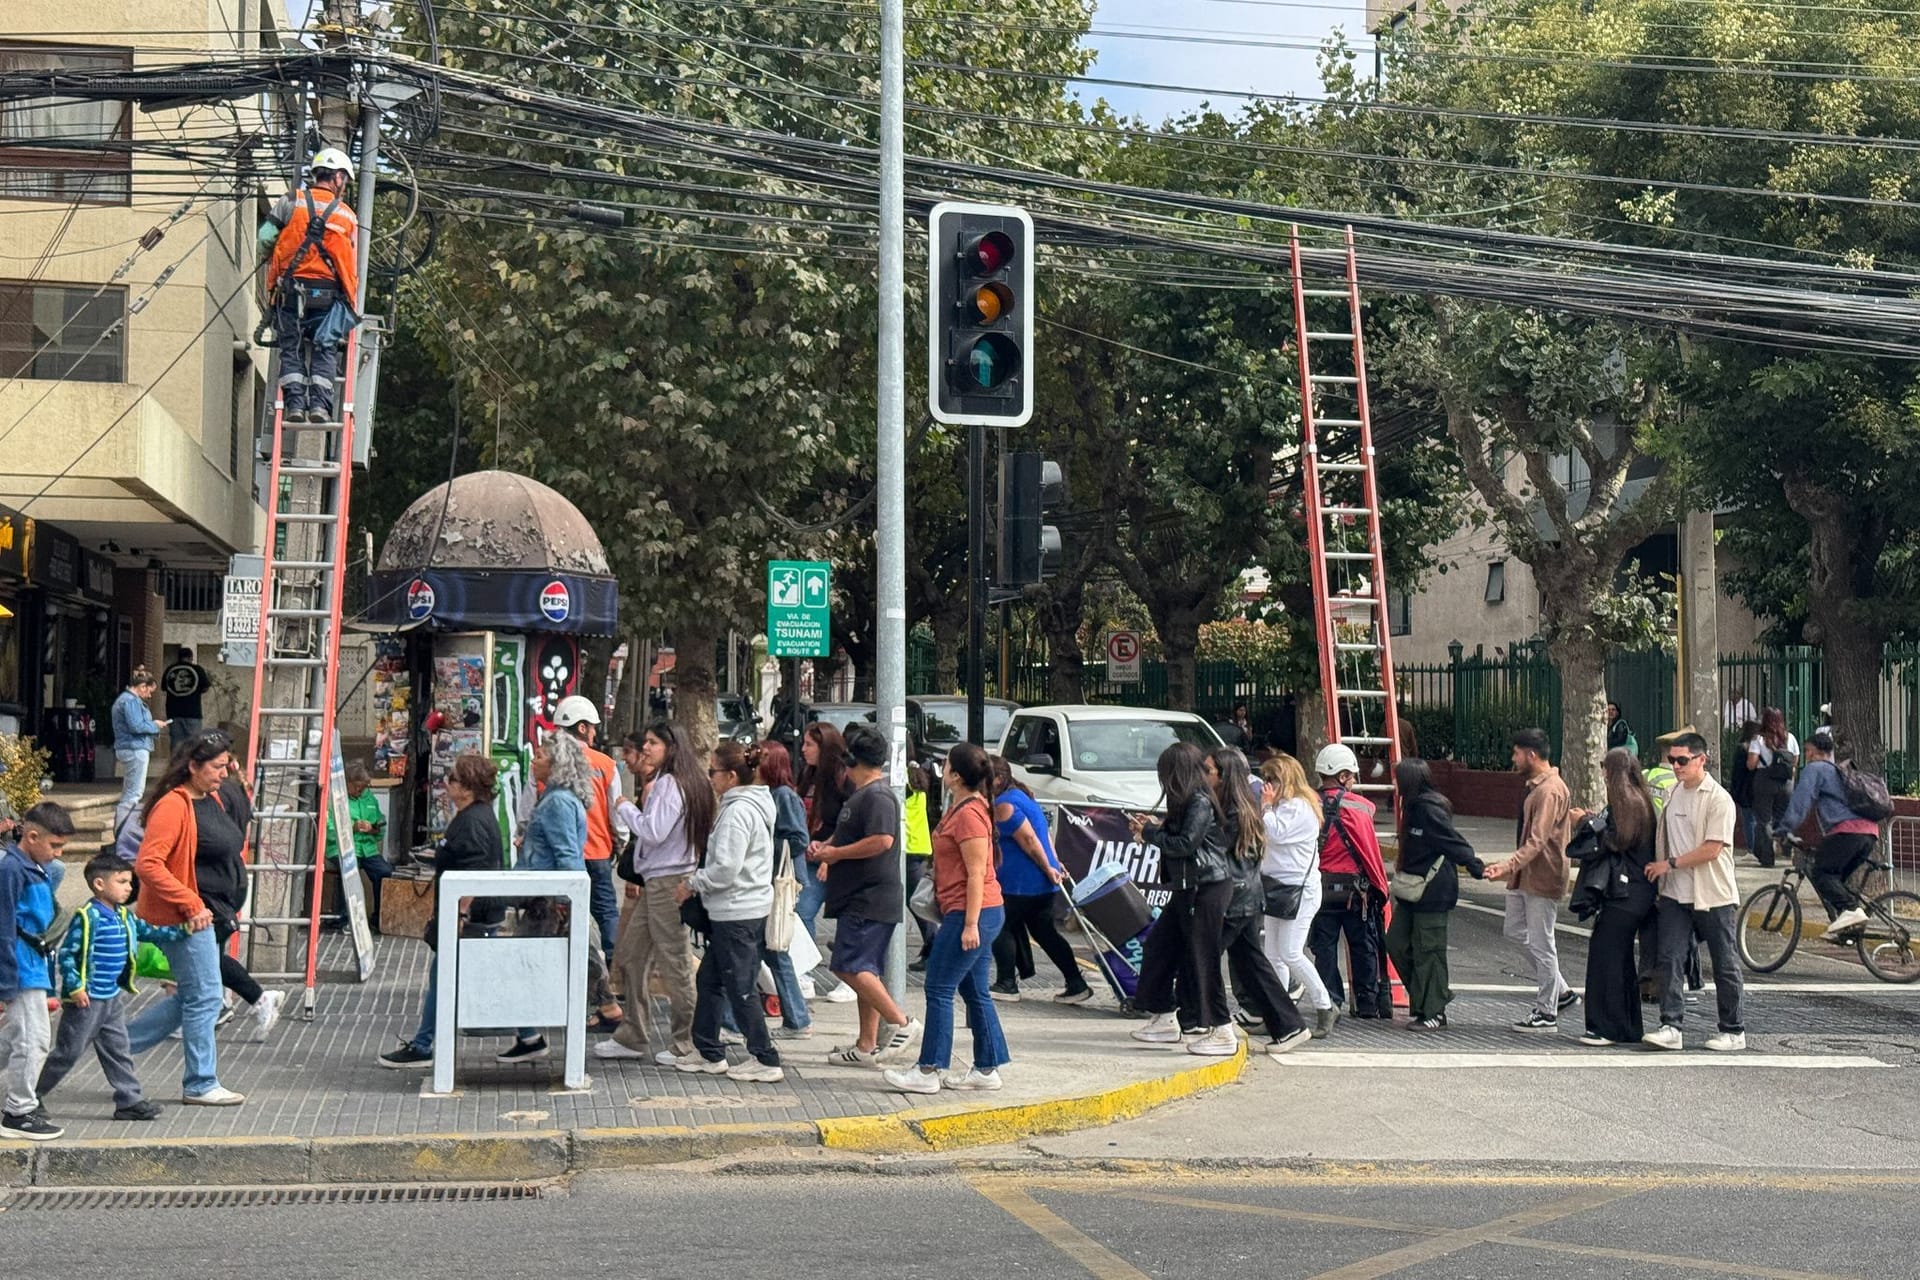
<point>1343,515</point>
<point>295,682</point>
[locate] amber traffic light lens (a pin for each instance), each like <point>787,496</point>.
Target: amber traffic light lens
<point>989,302</point>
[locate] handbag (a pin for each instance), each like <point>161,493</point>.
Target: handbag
<point>925,903</point>
<point>1407,887</point>
<point>786,895</point>
<point>1282,899</point>
<point>693,914</point>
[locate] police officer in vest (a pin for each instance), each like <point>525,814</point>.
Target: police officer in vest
<point>313,270</point>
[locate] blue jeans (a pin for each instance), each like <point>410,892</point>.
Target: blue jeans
<point>950,969</point>
<point>604,902</point>
<point>195,961</point>
<point>422,1041</point>
<point>133,783</point>
<point>786,984</point>
<point>813,896</point>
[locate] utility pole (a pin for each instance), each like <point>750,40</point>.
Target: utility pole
<point>977,584</point>
<point>1699,626</point>
<point>890,674</point>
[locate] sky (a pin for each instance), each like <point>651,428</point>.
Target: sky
<point>1210,65</point>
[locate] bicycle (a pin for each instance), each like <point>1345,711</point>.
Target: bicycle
<point>1888,942</point>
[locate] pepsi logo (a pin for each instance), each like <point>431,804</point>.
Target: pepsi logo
<point>556,602</point>
<point>420,599</point>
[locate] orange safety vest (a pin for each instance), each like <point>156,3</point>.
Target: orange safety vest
<point>336,242</point>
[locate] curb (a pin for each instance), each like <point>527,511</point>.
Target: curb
<point>525,1157</point>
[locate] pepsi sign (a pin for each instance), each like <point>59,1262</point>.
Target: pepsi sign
<point>420,599</point>
<point>556,602</point>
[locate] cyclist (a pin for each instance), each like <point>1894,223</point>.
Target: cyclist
<point>1847,839</point>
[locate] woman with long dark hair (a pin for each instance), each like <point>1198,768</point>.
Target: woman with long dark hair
<point>185,825</point>
<point>1772,754</point>
<point>1613,975</point>
<point>670,827</point>
<point>1254,981</point>
<point>1030,877</point>
<point>1196,865</point>
<point>1430,848</point>
<point>823,789</point>
<point>789,834</point>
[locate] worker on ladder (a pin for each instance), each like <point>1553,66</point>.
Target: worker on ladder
<point>312,285</point>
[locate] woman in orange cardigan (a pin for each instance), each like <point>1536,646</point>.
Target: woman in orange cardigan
<point>185,823</point>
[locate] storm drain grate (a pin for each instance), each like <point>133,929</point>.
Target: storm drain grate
<point>257,1197</point>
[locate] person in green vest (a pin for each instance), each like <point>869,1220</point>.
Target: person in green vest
<point>919,851</point>
<point>369,824</point>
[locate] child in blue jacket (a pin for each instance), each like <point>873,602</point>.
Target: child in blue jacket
<point>26,968</point>
<point>96,970</point>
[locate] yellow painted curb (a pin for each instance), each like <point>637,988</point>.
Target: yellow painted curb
<point>945,1130</point>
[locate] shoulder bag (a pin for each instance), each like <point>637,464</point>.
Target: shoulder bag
<point>1282,899</point>
<point>1408,887</point>
<point>786,895</point>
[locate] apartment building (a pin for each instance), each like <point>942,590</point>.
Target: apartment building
<point>129,382</point>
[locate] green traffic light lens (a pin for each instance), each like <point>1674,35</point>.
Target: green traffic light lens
<point>991,361</point>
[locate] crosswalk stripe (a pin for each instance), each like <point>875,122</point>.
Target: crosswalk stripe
<point>1606,1059</point>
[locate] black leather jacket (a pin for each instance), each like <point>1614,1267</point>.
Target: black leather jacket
<point>1194,849</point>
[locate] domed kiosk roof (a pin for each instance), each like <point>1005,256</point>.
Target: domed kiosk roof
<point>494,520</point>
<point>493,551</point>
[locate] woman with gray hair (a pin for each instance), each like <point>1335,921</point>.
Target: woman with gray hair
<point>556,840</point>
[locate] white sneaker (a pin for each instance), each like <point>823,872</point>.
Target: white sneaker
<point>974,1078</point>
<point>839,993</point>
<point>1285,1044</point>
<point>1665,1038</point>
<point>1597,1042</point>
<point>267,1012</point>
<point>694,1064</point>
<point>754,1071</point>
<point>791,1033</point>
<point>1728,1042</point>
<point>1220,1042</point>
<point>895,1042</point>
<point>615,1051</point>
<point>913,1080</point>
<point>1162,1028</point>
<point>731,1037</point>
<point>807,990</point>
<point>214,1097</point>
<point>1851,918</point>
<point>668,1058</point>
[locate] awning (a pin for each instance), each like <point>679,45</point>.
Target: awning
<point>493,600</point>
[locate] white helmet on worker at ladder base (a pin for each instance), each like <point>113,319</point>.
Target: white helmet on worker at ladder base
<point>1335,759</point>
<point>332,158</point>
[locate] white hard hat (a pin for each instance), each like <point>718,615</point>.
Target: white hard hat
<point>574,710</point>
<point>1335,759</point>
<point>331,158</point>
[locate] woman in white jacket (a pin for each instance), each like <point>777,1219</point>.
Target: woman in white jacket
<point>735,884</point>
<point>1291,815</point>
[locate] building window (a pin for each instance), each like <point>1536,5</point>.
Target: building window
<point>193,590</point>
<point>34,165</point>
<point>1399,613</point>
<point>58,331</point>
<point>1497,582</point>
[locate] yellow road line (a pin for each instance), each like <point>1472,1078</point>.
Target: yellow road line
<point>1420,1251</point>
<point>1099,1261</point>
<point>1666,1259</point>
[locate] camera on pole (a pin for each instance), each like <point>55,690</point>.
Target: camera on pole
<point>980,315</point>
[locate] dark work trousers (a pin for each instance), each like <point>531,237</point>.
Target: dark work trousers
<point>919,869</point>
<point>1383,980</point>
<point>1680,924</point>
<point>728,969</point>
<point>1417,944</point>
<point>102,1027</point>
<point>1838,857</point>
<point>1254,980</point>
<point>1186,943</point>
<point>1033,913</point>
<point>1334,921</point>
<point>307,368</point>
<point>1613,976</point>
<point>233,975</point>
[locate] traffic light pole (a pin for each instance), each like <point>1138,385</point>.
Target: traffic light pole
<point>977,584</point>
<point>890,631</point>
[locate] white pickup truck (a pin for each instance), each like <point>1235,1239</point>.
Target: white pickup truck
<point>1097,755</point>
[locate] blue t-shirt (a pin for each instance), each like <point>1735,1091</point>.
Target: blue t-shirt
<point>1018,873</point>
<point>109,958</point>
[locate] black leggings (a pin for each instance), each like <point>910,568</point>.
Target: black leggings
<point>1033,913</point>
<point>233,975</point>
<point>1838,857</point>
<point>1185,943</point>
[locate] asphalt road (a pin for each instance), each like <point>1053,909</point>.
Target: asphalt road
<point>1343,1224</point>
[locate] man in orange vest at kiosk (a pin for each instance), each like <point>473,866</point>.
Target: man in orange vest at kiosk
<point>313,232</point>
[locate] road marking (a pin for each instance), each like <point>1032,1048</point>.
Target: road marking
<point>1099,1261</point>
<point>1665,1259</point>
<point>1614,1059</point>
<point>1420,1251</point>
<point>1752,986</point>
<point>1573,929</point>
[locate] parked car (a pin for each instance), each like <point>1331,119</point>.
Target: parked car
<point>1098,755</point>
<point>938,724</point>
<point>737,719</point>
<point>839,714</point>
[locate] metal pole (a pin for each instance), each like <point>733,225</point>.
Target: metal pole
<point>890,675</point>
<point>369,168</point>
<point>976,583</point>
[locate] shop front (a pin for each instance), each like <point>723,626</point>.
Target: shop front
<point>57,652</point>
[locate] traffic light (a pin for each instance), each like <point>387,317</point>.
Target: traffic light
<point>1029,550</point>
<point>980,315</point>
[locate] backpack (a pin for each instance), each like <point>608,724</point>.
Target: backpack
<point>1866,793</point>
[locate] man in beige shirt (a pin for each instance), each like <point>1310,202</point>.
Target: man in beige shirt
<point>1536,877</point>
<point>1693,865</point>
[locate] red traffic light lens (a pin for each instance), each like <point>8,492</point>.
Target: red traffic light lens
<point>991,252</point>
<point>990,362</point>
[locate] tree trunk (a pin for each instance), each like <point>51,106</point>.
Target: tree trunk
<point>1179,643</point>
<point>1583,716</point>
<point>1844,547</point>
<point>1853,661</point>
<point>1061,612</point>
<point>949,631</point>
<point>694,686</point>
